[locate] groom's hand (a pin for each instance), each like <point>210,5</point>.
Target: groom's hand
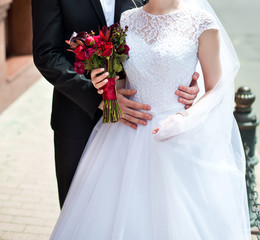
<point>131,110</point>
<point>186,94</point>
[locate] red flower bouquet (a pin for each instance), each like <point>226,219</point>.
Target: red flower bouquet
<point>107,50</point>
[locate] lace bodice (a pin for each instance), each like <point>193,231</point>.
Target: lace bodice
<point>163,53</point>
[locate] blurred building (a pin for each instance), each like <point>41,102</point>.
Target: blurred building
<point>15,49</point>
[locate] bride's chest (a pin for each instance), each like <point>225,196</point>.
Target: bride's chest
<point>163,47</point>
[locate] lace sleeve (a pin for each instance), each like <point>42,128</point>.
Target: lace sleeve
<point>207,21</point>
<point>123,19</point>
<point>127,17</point>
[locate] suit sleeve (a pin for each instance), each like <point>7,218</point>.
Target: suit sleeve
<point>52,59</point>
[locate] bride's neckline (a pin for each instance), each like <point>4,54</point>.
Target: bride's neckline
<point>166,14</point>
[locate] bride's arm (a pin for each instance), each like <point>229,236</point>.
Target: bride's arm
<point>209,57</point>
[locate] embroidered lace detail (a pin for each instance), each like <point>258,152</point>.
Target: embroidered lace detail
<point>165,46</point>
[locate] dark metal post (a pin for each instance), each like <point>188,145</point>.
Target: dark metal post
<point>247,123</point>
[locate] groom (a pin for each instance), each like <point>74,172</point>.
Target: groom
<point>75,108</point>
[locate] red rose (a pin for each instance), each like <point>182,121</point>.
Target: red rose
<point>89,41</point>
<point>126,50</point>
<point>79,67</point>
<point>123,49</point>
<point>107,49</point>
<point>80,52</point>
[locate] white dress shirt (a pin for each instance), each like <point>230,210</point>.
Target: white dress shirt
<point>109,10</point>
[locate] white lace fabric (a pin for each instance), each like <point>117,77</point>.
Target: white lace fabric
<point>163,52</point>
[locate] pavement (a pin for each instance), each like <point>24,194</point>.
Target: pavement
<point>28,192</point>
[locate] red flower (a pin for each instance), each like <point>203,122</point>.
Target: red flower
<point>123,49</point>
<point>107,49</point>
<point>105,33</point>
<point>80,52</point>
<point>126,50</point>
<point>96,39</point>
<point>90,52</point>
<point>79,67</point>
<point>89,41</point>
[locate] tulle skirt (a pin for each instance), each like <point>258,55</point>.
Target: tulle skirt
<point>130,187</point>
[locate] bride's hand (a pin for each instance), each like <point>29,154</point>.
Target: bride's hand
<point>99,79</point>
<point>170,127</point>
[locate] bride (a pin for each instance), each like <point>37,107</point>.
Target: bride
<point>183,175</point>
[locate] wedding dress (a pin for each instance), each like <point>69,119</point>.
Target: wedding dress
<point>128,185</point>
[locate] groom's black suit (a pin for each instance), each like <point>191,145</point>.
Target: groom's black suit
<point>75,100</point>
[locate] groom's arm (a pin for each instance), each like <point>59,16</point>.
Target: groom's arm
<point>186,94</point>
<point>52,59</point>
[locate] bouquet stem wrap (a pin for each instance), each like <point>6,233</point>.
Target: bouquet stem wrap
<point>111,108</point>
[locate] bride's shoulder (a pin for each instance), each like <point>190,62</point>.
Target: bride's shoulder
<point>202,16</point>
<point>128,14</point>
<point>202,19</point>
<point>130,11</point>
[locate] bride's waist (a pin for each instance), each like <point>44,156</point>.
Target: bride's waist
<point>160,106</point>
<point>162,112</point>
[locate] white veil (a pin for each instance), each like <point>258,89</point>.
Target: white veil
<point>213,131</point>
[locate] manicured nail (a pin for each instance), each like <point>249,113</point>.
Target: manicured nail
<point>102,69</point>
<point>105,80</point>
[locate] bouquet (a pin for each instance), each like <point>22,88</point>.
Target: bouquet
<point>107,50</point>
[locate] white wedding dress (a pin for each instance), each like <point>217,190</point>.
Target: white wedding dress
<point>128,186</point>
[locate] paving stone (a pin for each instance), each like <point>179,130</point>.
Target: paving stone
<point>12,227</point>
<point>6,218</point>
<point>38,229</point>
<point>19,236</point>
<point>29,221</point>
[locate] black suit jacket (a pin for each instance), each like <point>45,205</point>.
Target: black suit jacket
<point>75,100</point>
